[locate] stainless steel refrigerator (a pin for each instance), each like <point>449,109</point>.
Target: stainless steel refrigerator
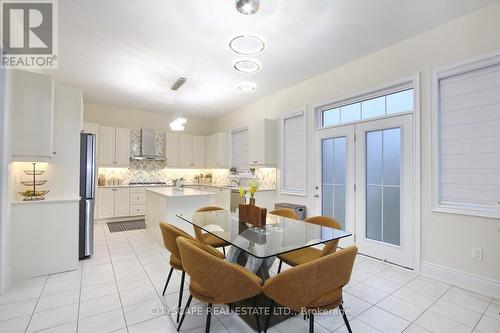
<point>88,169</point>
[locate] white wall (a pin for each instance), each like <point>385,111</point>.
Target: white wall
<point>114,116</point>
<point>446,239</point>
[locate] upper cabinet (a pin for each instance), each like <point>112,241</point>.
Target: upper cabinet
<point>114,147</point>
<point>262,143</point>
<point>191,151</point>
<point>172,149</point>
<point>216,150</point>
<point>31,100</point>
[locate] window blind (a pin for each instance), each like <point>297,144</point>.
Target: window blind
<point>469,138</point>
<point>239,149</point>
<point>294,153</point>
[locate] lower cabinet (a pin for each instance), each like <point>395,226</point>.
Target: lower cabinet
<point>113,202</point>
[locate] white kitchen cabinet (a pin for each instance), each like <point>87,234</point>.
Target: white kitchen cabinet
<point>122,202</point>
<point>91,128</point>
<point>185,150</point>
<point>123,146</point>
<point>113,202</point>
<point>172,149</point>
<point>31,100</point>
<point>222,197</point>
<point>198,152</point>
<point>262,143</point>
<point>216,150</point>
<point>114,147</point>
<point>105,203</point>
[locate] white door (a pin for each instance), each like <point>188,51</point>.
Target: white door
<point>374,161</point>
<point>123,147</point>
<point>106,203</point>
<point>122,202</point>
<point>107,143</point>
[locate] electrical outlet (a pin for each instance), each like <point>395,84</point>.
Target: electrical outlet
<point>477,254</point>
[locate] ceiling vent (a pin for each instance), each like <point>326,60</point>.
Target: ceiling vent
<point>178,83</point>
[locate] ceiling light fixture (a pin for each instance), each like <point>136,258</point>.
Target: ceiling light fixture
<point>247,87</point>
<point>247,66</point>
<point>247,7</point>
<point>178,124</point>
<point>247,45</point>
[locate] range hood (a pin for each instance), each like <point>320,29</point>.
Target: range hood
<point>148,147</point>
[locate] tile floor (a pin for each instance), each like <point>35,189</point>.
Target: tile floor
<point>119,290</point>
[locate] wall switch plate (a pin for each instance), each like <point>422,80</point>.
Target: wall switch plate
<point>477,254</point>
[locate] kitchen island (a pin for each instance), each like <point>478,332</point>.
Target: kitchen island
<point>162,205</point>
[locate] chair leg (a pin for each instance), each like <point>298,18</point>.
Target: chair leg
<point>256,313</point>
<point>184,312</point>
<point>209,315</point>
<point>271,307</point>
<point>279,267</point>
<point>168,279</point>
<point>224,250</point>
<point>345,318</point>
<point>180,294</point>
<point>311,323</point>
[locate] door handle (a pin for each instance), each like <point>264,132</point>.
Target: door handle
<point>316,195</point>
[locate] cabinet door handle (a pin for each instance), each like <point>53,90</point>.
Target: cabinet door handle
<point>255,161</point>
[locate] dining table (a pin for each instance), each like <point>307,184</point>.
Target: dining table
<point>257,247</point>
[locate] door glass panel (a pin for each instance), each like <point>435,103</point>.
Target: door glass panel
<point>334,178</point>
<point>383,156</point>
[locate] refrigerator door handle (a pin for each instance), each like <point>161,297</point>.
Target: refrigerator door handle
<point>91,167</point>
<point>89,227</point>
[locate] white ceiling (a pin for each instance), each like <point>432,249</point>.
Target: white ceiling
<point>128,52</point>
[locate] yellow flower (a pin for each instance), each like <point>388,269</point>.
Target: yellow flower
<point>242,192</point>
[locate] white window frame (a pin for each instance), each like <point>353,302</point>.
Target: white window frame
<point>301,112</point>
<point>481,61</point>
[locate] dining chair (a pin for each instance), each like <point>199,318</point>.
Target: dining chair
<point>208,238</point>
<point>302,256</point>
<point>216,281</point>
<point>285,212</point>
<point>170,234</point>
<point>314,286</point>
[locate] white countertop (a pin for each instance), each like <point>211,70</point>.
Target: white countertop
<point>169,192</point>
<point>186,185</point>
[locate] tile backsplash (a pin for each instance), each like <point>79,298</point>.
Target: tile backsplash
<point>150,171</point>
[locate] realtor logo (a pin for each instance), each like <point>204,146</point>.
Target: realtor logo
<point>29,34</point>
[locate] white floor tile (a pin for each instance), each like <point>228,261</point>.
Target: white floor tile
<point>295,324</point>
<point>488,325</point>
<point>104,322</point>
<point>398,275</point>
<point>51,301</point>
<point>413,328</point>
<point>20,293</point>
<point>98,290</point>
<point>158,325</point>
<point>383,321</point>
<point>384,285</point>
<point>138,295</point>
<point>438,324</point>
<point>493,310</point>
<point>464,316</point>
<point>65,328</point>
<point>413,296</point>
<point>18,309</point>
<point>99,305</point>
<point>143,311</point>
<point>53,317</point>
<point>15,325</point>
<point>367,293</point>
<point>400,308</point>
<point>372,266</point>
<point>467,299</point>
<point>357,326</point>
<point>428,286</point>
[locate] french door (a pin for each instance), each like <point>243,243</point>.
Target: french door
<point>364,179</point>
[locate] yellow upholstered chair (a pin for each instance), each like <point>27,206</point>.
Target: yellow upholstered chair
<point>208,238</point>
<point>214,280</point>
<point>285,212</point>
<point>170,235</point>
<point>307,254</point>
<point>313,286</point>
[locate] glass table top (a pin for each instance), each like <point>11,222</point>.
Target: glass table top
<point>278,236</point>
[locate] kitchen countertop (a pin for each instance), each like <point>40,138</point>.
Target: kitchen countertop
<point>186,185</point>
<point>169,192</point>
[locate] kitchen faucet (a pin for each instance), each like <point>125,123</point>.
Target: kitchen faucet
<point>237,182</point>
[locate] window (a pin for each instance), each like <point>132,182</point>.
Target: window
<point>239,149</point>
<point>400,101</point>
<point>294,153</point>
<point>467,145</point>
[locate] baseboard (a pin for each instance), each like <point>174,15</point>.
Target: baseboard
<point>461,279</point>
